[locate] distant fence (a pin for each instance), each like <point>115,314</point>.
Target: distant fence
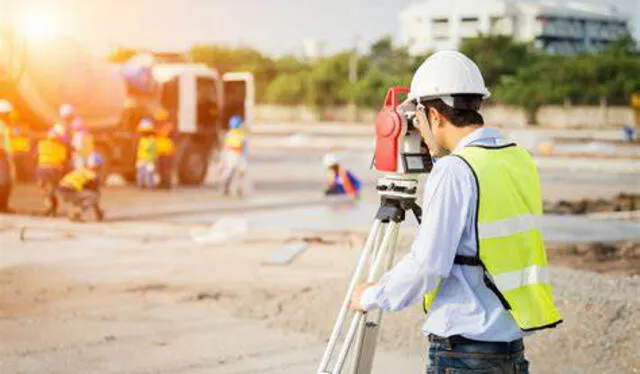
<point>591,117</point>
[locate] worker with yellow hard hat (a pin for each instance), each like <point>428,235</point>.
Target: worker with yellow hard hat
<point>147,154</point>
<point>80,188</point>
<point>6,167</point>
<point>166,148</point>
<point>53,160</point>
<point>478,264</point>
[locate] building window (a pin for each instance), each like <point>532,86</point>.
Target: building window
<point>440,28</point>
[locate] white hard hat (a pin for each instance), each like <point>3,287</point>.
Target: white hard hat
<point>5,107</point>
<point>330,159</point>
<point>145,125</point>
<point>447,73</point>
<point>66,110</point>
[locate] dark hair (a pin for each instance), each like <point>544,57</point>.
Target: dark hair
<point>465,110</point>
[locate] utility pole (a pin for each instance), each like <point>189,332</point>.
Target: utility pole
<point>353,79</point>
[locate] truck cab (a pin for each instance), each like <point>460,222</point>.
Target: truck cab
<point>199,101</point>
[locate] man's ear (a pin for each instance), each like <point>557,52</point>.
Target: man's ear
<point>436,117</point>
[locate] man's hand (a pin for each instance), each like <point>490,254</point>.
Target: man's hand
<point>356,298</point>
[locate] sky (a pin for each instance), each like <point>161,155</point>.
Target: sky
<point>273,26</point>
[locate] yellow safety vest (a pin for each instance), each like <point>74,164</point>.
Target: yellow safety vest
<point>20,144</point>
<point>5,138</point>
<point>166,146</point>
<point>510,245</point>
<point>235,140</point>
<point>51,154</point>
<point>147,149</point>
<point>78,178</point>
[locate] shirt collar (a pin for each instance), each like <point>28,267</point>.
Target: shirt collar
<point>490,135</point>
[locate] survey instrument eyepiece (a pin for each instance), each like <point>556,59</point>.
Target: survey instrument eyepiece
<point>399,145</point>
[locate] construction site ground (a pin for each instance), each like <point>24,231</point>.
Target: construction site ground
<point>137,294</point>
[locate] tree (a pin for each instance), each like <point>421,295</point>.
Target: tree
<point>498,56</point>
<point>289,88</point>
<point>226,59</point>
<point>122,54</point>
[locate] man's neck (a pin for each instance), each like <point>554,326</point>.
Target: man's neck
<point>460,133</point>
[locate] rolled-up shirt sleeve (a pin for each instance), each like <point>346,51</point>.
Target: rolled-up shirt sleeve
<point>448,196</point>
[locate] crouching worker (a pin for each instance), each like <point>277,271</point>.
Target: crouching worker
<point>53,158</point>
<point>147,154</point>
<point>80,189</point>
<point>340,181</point>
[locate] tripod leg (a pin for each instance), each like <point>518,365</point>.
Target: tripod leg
<point>357,276</point>
<point>374,274</point>
<point>367,336</point>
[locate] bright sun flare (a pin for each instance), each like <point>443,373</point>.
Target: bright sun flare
<point>39,25</point>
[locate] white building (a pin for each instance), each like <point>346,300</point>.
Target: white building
<point>557,26</point>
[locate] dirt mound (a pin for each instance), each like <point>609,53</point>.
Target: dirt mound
<point>621,258</point>
<point>620,203</point>
<point>603,342</point>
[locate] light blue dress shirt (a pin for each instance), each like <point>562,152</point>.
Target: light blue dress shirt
<point>464,305</point>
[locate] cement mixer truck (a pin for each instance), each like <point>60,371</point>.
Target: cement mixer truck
<point>112,98</point>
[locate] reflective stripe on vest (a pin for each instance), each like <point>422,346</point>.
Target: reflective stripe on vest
<point>510,244</point>
<point>51,154</point>
<point>78,178</point>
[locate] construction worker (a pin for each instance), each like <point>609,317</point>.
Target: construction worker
<point>6,168</point>
<point>82,143</point>
<point>147,154</point>
<point>53,159</point>
<point>234,157</point>
<point>478,262</point>
<point>21,148</point>
<point>340,181</point>
<point>67,116</point>
<point>80,188</point>
<point>166,148</point>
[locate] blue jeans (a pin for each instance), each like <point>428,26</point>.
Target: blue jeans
<point>463,356</point>
<point>146,176</point>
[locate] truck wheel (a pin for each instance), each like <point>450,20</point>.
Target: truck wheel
<point>193,165</point>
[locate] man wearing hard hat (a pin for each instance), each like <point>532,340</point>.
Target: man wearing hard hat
<point>234,158</point>
<point>478,263</point>
<point>340,181</point>
<point>5,156</point>
<point>146,154</point>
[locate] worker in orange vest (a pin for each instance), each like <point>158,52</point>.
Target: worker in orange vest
<point>340,181</point>
<point>80,188</point>
<point>53,159</point>
<point>166,148</point>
